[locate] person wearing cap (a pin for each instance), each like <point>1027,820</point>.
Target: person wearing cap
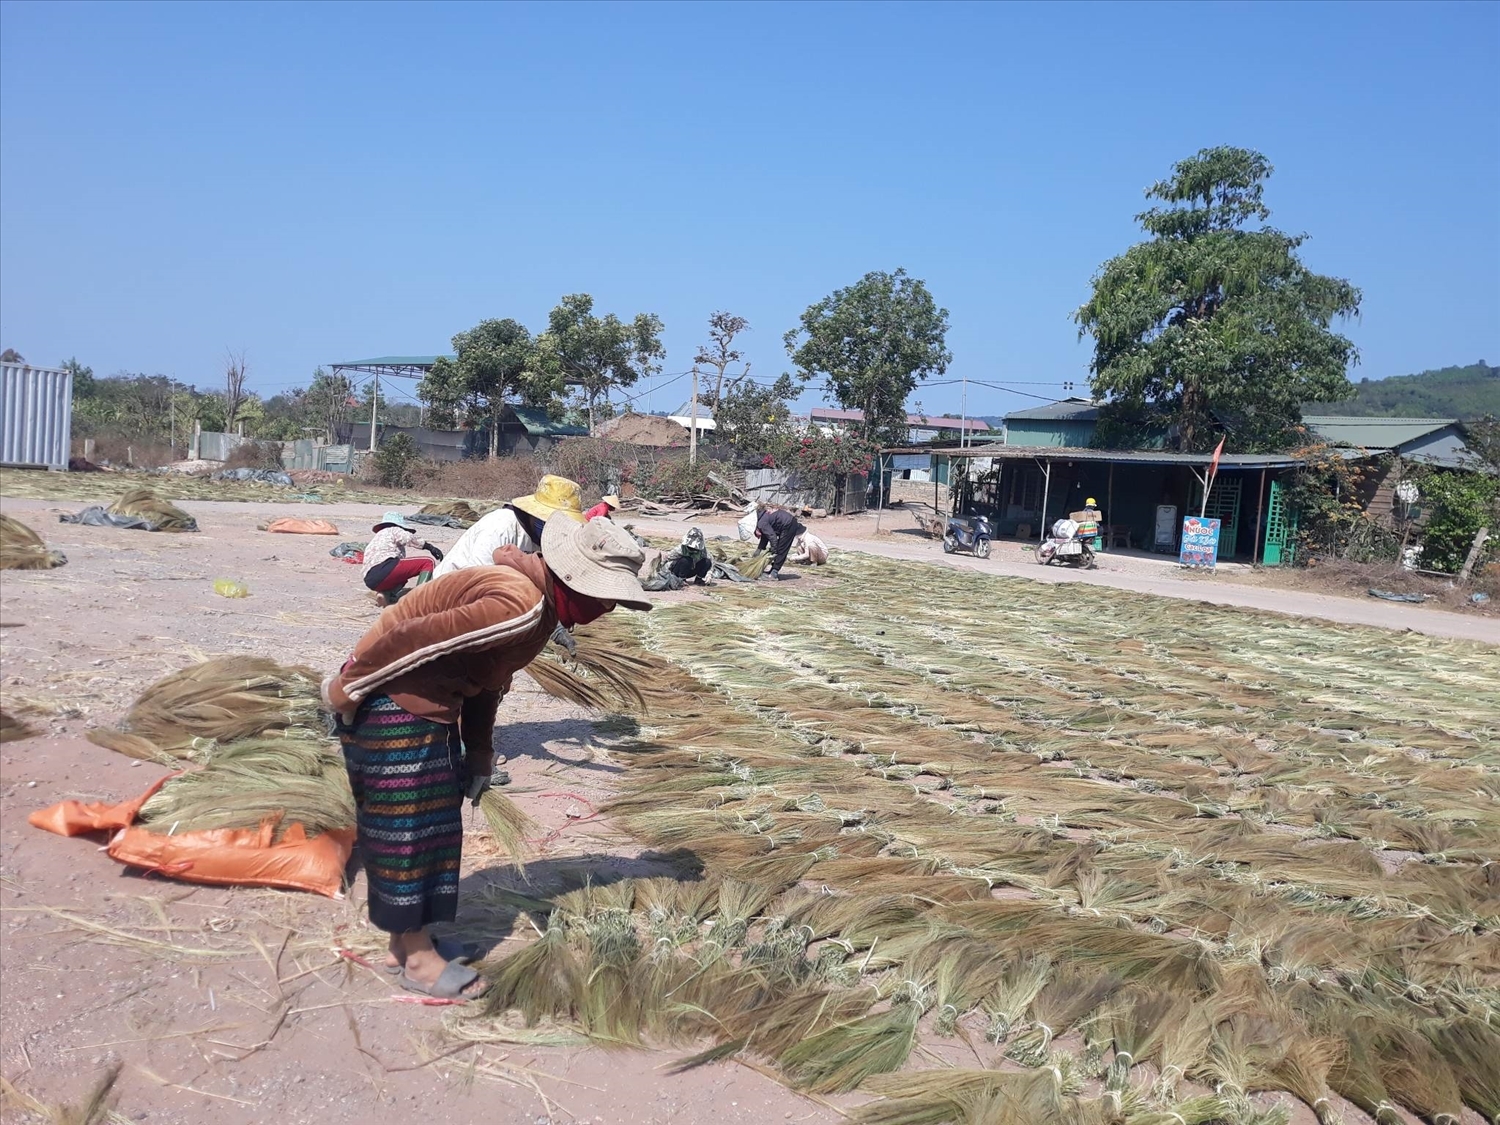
<point>516,524</point>
<point>387,569</point>
<point>415,707</point>
<point>602,510</point>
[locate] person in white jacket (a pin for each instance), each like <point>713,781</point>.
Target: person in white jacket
<point>516,524</point>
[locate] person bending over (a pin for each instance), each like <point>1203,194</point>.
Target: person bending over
<point>516,524</point>
<point>415,707</point>
<point>777,528</point>
<point>387,569</point>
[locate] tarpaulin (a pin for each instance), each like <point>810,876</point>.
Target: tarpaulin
<point>292,525</point>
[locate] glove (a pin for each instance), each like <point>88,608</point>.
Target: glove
<point>564,640</point>
<point>433,551</point>
<point>476,787</point>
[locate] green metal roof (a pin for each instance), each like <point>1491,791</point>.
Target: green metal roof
<point>394,361</point>
<point>1374,433</point>
<point>539,423</point>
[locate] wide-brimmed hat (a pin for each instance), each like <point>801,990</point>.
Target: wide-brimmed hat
<point>394,519</point>
<point>597,559</point>
<point>612,500</point>
<point>553,494</point>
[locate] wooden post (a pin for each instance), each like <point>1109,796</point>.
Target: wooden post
<point>1480,537</point>
<point>1109,500</point>
<point>1260,502</point>
<point>879,489</point>
<point>197,439</point>
<point>88,449</point>
<point>1046,489</point>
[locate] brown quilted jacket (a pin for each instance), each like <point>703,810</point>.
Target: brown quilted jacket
<point>447,650</point>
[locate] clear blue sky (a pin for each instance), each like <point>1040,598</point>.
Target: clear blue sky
<point>312,183</point>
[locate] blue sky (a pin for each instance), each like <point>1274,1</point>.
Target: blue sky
<point>310,183</point>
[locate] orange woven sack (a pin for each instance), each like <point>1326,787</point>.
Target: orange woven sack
<point>240,857</point>
<point>293,525</point>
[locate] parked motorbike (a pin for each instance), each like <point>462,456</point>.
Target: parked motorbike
<point>972,535</point>
<point>1066,546</point>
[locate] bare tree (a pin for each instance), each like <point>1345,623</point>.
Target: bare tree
<point>720,353</point>
<point>234,388</point>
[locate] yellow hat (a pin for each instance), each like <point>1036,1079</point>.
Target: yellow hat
<point>553,494</point>
<point>1090,502</point>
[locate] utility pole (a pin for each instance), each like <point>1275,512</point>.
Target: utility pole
<point>374,406</point>
<point>693,433</point>
<point>172,411</point>
<point>963,410</point>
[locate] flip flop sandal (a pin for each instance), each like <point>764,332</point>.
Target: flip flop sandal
<point>455,951</point>
<point>450,984</point>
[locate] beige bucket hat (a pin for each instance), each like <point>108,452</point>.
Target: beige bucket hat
<point>597,559</point>
<point>553,494</point>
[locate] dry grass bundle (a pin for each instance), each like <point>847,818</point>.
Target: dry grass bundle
<point>142,503</point>
<point>13,729</point>
<point>843,1056</point>
<point>1062,1003</point>
<point>23,549</point>
<point>753,567</point>
<point>1013,995</point>
<point>938,1096</point>
<point>1473,1050</point>
<point>595,675</point>
<point>217,700</point>
<point>460,510</point>
<point>289,780</point>
<point>510,827</point>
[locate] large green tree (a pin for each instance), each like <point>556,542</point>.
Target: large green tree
<point>1216,315</point>
<point>494,362</point>
<point>598,354</point>
<point>872,343</point>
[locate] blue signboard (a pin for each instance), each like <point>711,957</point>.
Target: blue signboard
<point>1200,542</point>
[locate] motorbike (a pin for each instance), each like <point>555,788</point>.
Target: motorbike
<point>972,535</point>
<point>1066,546</point>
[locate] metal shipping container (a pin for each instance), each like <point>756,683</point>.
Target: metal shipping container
<point>36,416</point>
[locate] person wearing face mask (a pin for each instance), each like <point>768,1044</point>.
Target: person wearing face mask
<point>516,524</point>
<point>689,560</point>
<point>416,709</point>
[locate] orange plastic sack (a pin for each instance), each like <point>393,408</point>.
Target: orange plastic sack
<point>292,525</point>
<point>241,857</point>
<point>74,818</point>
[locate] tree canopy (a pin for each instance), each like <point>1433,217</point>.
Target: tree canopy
<point>493,362</point>
<point>872,343</point>
<point>721,354</point>
<point>1216,316</point>
<point>598,354</point>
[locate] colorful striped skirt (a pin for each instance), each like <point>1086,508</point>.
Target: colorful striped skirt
<point>407,774</point>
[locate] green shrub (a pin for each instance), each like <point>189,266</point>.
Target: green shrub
<point>396,461</point>
<point>1460,504</point>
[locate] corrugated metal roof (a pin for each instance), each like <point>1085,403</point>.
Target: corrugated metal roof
<point>393,361</point>
<point>917,421</point>
<point>1131,456</point>
<point>1374,433</point>
<point>1069,409</point>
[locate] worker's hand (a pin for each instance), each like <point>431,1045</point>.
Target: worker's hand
<point>433,551</point>
<point>476,787</point>
<point>564,640</point>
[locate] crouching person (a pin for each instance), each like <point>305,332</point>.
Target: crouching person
<point>416,705</point>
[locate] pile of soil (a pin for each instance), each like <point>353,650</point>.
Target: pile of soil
<point>643,429</point>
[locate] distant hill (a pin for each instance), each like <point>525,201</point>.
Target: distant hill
<point>1448,392</point>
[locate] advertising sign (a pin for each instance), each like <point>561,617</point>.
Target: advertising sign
<point>1200,542</point>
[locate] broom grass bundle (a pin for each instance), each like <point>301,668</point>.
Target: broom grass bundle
<point>956,1095</point>
<point>23,549</point>
<point>142,503</point>
<point>13,728</point>
<point>840,1058</point>
<point>217,700</point>
<point>1473,1050</point>
<point>753,567</point>
<point>509,825</point>
<point>1058,1006</point>
<point>1013,995</point>
<point>245,783</point>
<point>460,510</point>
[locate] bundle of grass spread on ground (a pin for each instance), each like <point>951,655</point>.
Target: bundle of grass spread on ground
<point>31,485</point>
<point>1137,860</point>
<point>23,549</point>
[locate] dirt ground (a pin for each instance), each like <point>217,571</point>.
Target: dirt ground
<point>230,1006</point>
<point>186,1015</point>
